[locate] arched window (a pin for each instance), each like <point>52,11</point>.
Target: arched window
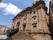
<point>18,24</point>
<point>34,17</point>
<point>34,12</point>
<point>34,25</point>
<point>24,26</point>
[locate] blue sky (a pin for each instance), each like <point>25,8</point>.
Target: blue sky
<point>10,8</point>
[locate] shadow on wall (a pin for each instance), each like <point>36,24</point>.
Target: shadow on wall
<point>50,20</point>
<point>51,30</point>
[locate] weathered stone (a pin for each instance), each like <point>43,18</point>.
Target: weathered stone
<point>21,36</point>
<point>34,20</point>
<point>3,29</point>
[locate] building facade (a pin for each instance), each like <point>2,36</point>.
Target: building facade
<point>51,12</point>
<point>34,21</point>
<point>51,18</point>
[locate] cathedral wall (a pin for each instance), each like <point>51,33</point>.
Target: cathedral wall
<point>41,36</point>
<point>35,22</point>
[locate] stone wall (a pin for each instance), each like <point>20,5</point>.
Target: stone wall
<point>34,20</point>
<point>3,29</point>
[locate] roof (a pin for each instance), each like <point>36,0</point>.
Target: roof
<point>34,4</point>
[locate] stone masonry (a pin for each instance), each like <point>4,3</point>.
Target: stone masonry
<point>34,21</point>
<point>3,29</point>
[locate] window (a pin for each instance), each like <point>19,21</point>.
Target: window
<point>24,26</point>
<point>33,12</point>
<point>34,17</point>
<point>18,23</point>
<point>34,24</point>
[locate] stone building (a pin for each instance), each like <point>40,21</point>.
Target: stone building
<point>51,18</point>
<point>34,21</point>
<point>3,29</point>
<point>51,11</point>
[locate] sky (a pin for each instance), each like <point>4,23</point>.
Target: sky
<point>10,8</point>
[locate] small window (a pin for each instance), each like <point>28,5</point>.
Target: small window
<point>18,23</point>
<point>24,26</point>
<point>34,17</point>
<point>34,24</point>
<point>33,12</point>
